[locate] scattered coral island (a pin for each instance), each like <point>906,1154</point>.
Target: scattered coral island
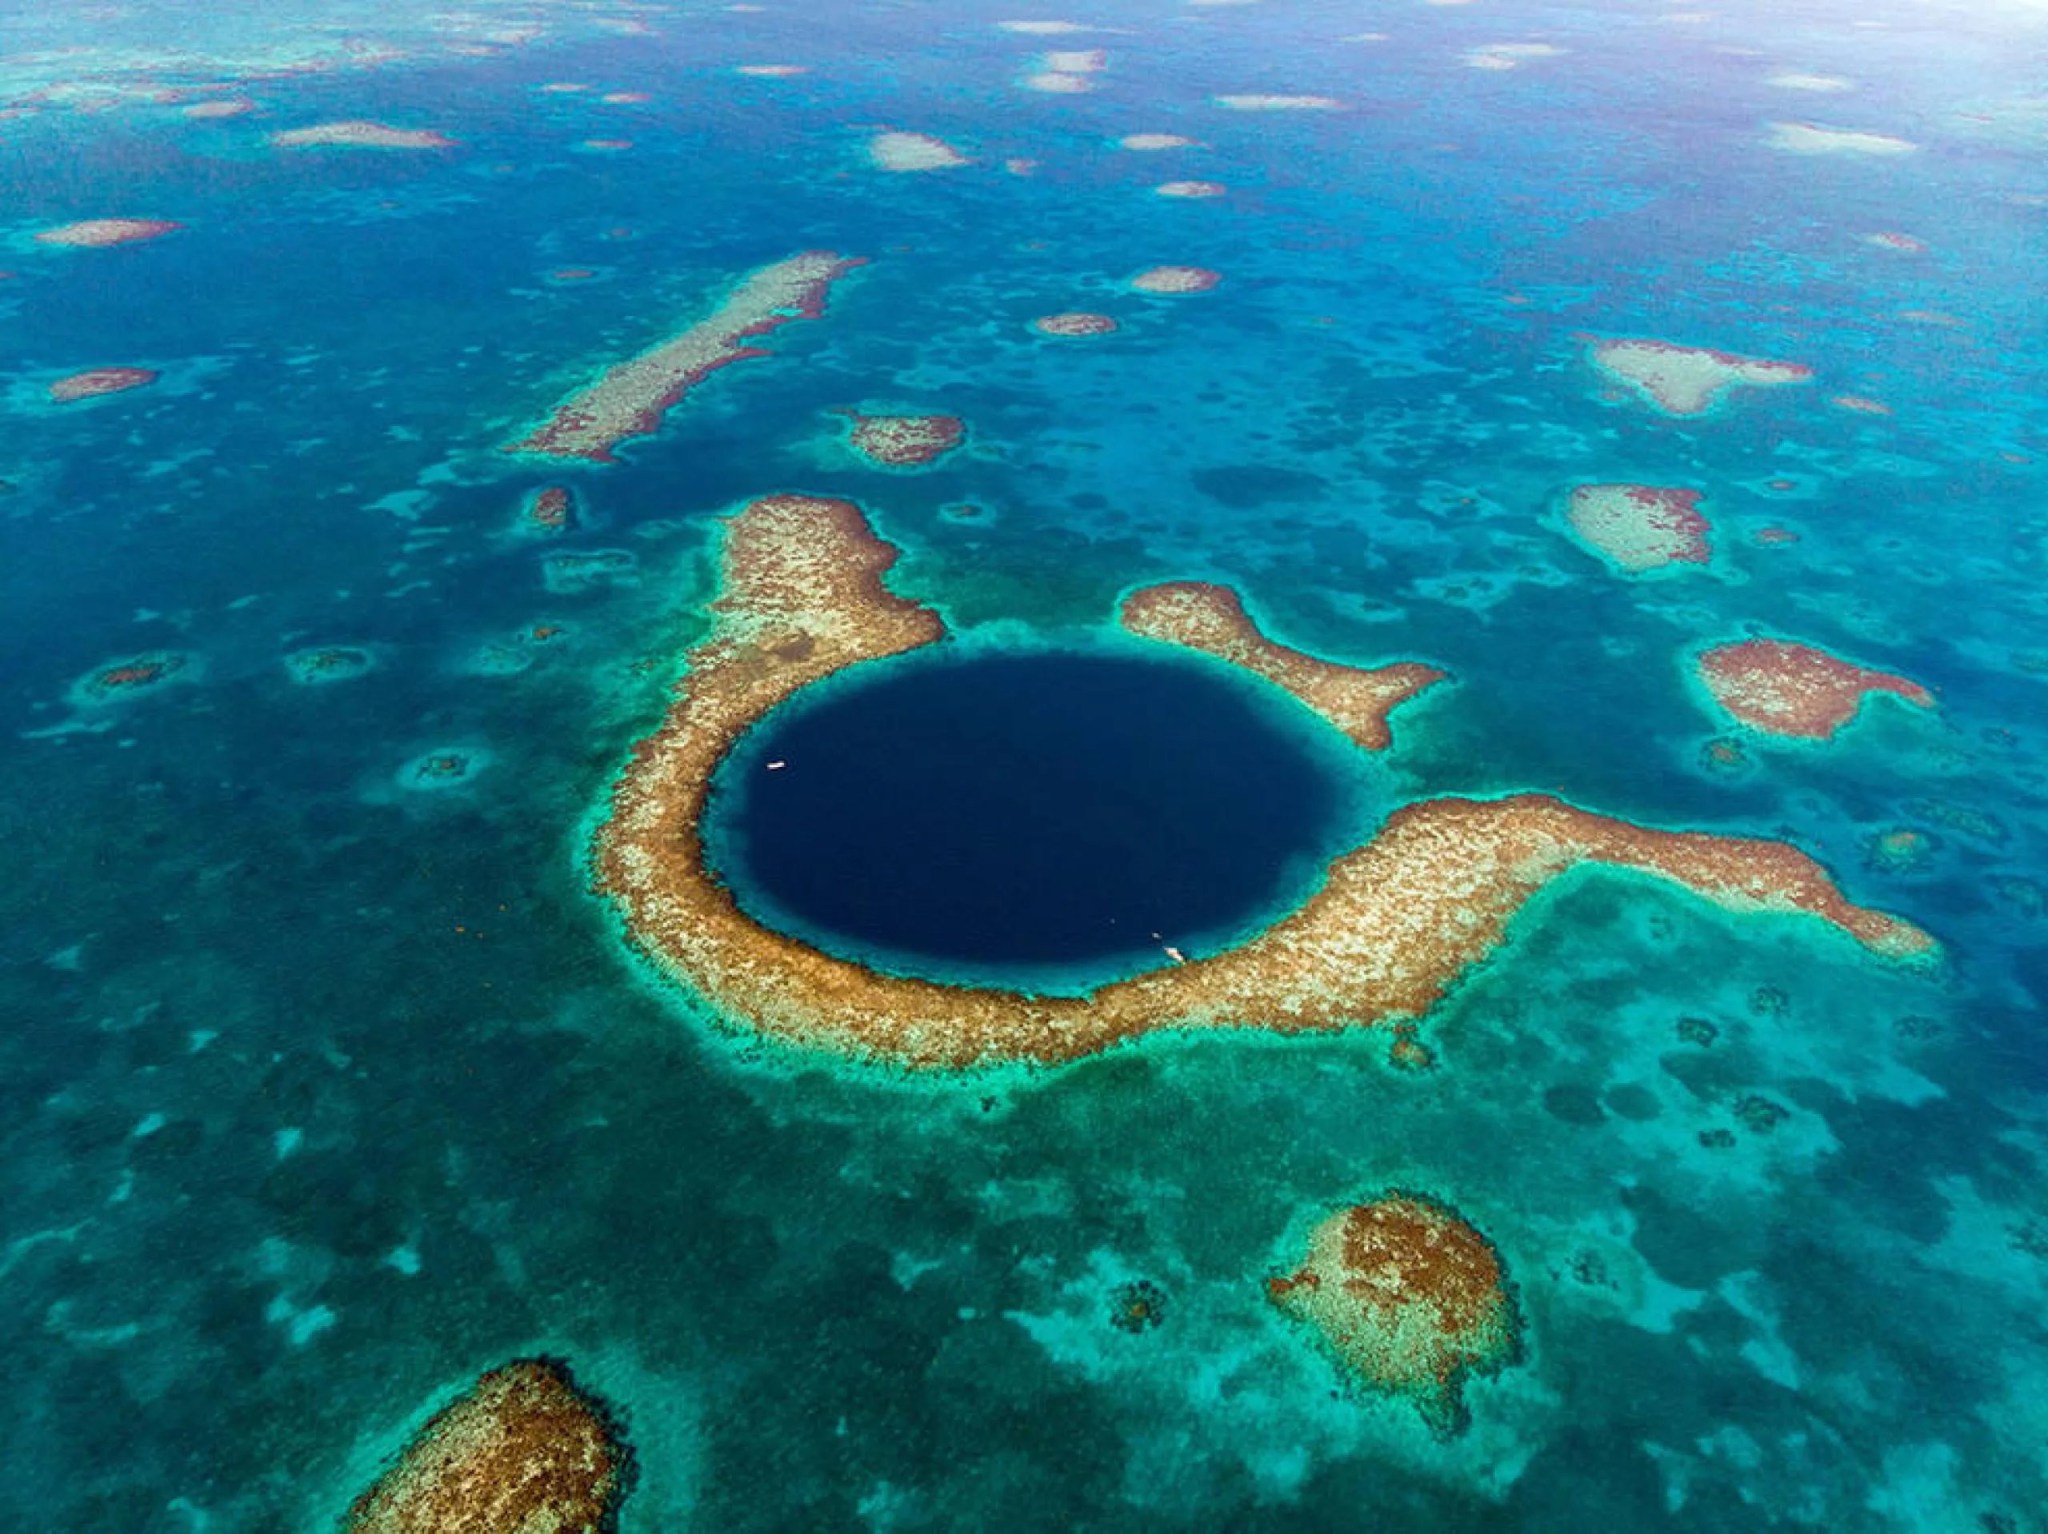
<point>97,233</point>
<point>523,1449</point>
<point>95,383</point>
<point>1410,1297</point>
<point>1780,687</point>
<point>1687,380</point>
<point>630,398</point>
<point>903,441</point>
<point>1396,922</point>
<point>1640,528</point>
<point>357,134</point>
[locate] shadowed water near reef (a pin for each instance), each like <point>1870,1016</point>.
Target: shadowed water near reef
<point>1020,814</point>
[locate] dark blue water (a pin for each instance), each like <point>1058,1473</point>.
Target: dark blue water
<point>1034,809</point>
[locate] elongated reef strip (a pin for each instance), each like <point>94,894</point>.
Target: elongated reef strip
<point>1409,1296</point>
<point>1212,619</point>
<point>1395,923</point>
<point>1812,138</point>
<point>1784,688</point>
<point>95,233</point>
<point>360,135</point>
<point>630,398</point>
<point>1269,103</point>
<point>94,382</point>
<point>523,1450</point>
<point>1687,380</point>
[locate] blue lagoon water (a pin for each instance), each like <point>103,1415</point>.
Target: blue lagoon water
<point>328,1083</point>
<point>1031,818</point>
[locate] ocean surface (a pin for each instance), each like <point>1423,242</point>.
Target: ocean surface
<point>327,1082</point>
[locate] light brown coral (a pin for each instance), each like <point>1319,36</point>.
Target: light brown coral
<point>1409,1296</point>
<point>1784,688</point>
<point>524,1451</point>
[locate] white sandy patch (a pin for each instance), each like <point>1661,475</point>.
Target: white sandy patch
<point>896,151</point>
<point>1810,138</point>
<point>1793,80</point>
<point>1279,103</point>
<point>1509,55</point>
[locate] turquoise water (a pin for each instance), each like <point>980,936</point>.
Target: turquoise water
<point>327,1083</point>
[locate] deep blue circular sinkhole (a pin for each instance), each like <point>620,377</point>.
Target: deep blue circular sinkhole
<point>1018,817</point>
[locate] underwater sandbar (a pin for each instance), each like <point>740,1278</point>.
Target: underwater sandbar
<point>1395,923</point>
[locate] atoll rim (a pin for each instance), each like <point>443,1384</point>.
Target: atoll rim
<point>1394,924</point>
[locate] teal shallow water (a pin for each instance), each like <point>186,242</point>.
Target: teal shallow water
<point>324,1093</point>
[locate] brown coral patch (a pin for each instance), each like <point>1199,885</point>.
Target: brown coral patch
<point>904,441</point>
<point>1212,619</point>
<point>1073,323</point>
<point>1396,922</point>
<point>1409,1296</point>
<point>136,675</point>
<point>1783,688</point>
<point>550,509</point>
<point>94,382</point>
<point>523,1450</point>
